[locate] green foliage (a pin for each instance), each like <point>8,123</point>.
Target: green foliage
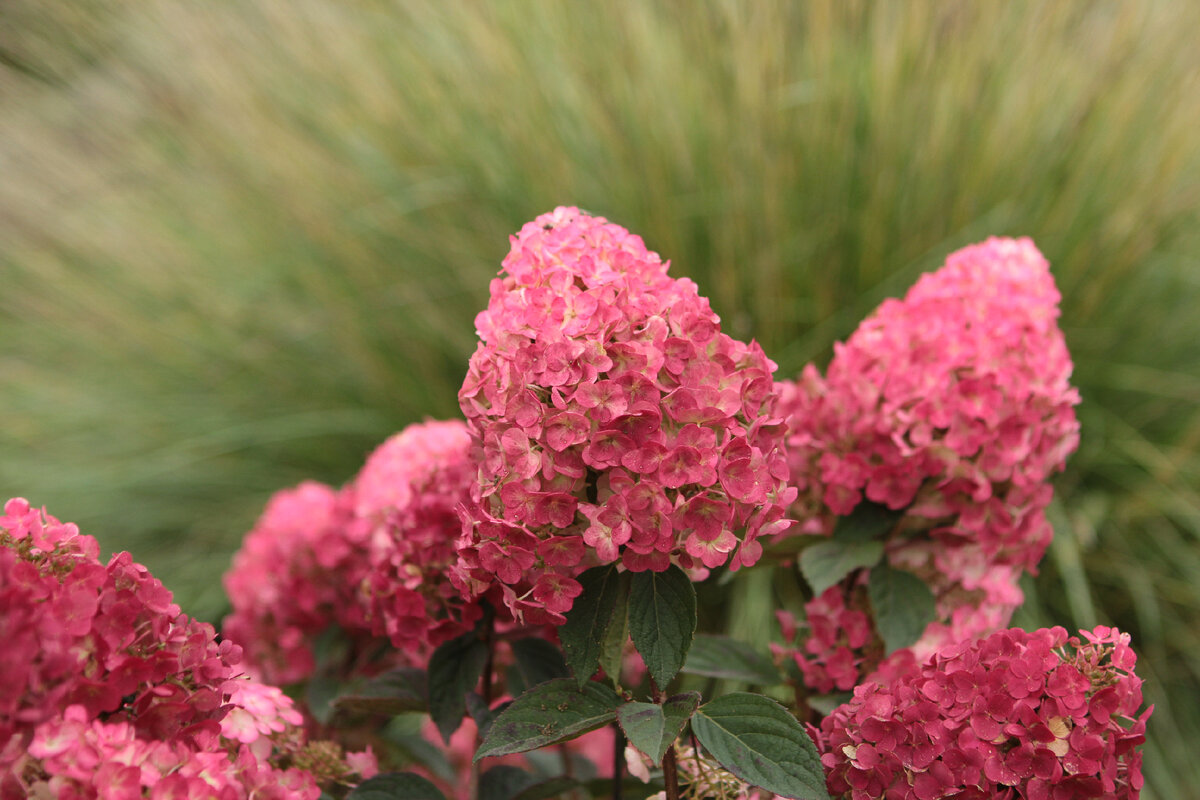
<point>903,606</point>
<point>454,670</point>
<point>396,786</point>
<point>588,622</point>
<point>243,243</point>
<point>757,740</point>
<point>827,562</point>
<point>662,620</point>
<point>653,727</point>
<point>723,657</point>
<point>547,714</point>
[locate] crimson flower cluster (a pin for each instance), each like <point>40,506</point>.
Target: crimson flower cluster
<point>1035,715</point>
<point>105,684</point>
<point>953,405</point>
<point>615,422</point>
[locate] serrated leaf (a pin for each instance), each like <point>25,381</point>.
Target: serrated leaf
<point>582,635</point>
<point>757,740</point>
<point>612,645</point>
<point>652,728</point>
<point>723,657</point>
<point>547,714</point>
<point>539,661</point>
<point>396,786</point>
<point>454,670</point>
<point>903,606</point>
<point>867,522</point>
<point>825,563</point>
<point>662,620</point>
<point>394,692</point>
<point>643,724</point>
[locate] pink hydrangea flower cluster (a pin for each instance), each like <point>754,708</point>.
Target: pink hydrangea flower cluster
<point>298,572</point>
<point>954,405</point>
<point>1016,715</point>
<point>615,420</point>
<point>105,684</point>
<point>406,501</point>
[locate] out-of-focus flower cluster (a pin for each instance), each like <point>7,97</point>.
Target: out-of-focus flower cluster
<point>106,689</point>
<point>406,500</point>
<point>616,421</point>
<point>954,406</point>
<point>371,559</point>
<point>1030,715</point>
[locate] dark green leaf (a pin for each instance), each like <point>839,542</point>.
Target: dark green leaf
<point>548,789</point>
<point>547,714</point>
<point>319,695</point>
<point>539,661</point>
<point>612,645</point>
<point>415,748</point>
<point>631,788</point>
<point>396,786</point>
<point>722,657</point>
<point>828,561</point>
<point>662,620</point>
<point>903,606</point>
<point>504,782</point>
<point>643,724</point>
<point>867,522</point>
<point>394,692</point>
<point>454,670</point>
<point>757,740</point>
<point>582,635</point>
<point>652,728</point>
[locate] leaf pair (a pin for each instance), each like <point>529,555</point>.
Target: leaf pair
<point>657,609</point>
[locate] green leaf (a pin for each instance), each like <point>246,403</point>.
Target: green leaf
<point>652,728</point>
<point>454,670</point>
<point>539,661</point>
<point>867,522</point>
<point>757,740</point>
<point>903,606</point>
<point>662,620</point>
<point>547,714</point>
<point>722,657</point>
<point>396,786</point>
<point>394,692</point>
<point>828,561</point>
<point>612,645</point>
<point>644,724</point>
<point>548,789</point>
<point>582,635</point>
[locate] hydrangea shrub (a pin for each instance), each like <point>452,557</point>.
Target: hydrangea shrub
<point>505,606</point>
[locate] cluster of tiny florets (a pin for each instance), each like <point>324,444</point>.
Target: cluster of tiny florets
<point>953,403</point>
<point>406,501</point>
<point>105,683</point>
<point>614,420</point>
<point>298,572</point>
<point>954,406</point>
<point>1016,715</point>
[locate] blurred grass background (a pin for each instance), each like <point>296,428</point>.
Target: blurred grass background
<point>242,243</point>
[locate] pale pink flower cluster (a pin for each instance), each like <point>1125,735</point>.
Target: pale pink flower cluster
<point>953,405</point>
<point>106,687</point>
<point>406,501</point>
<point>1030,715</point>
<point>297,572</point>
<point>615,420</point>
